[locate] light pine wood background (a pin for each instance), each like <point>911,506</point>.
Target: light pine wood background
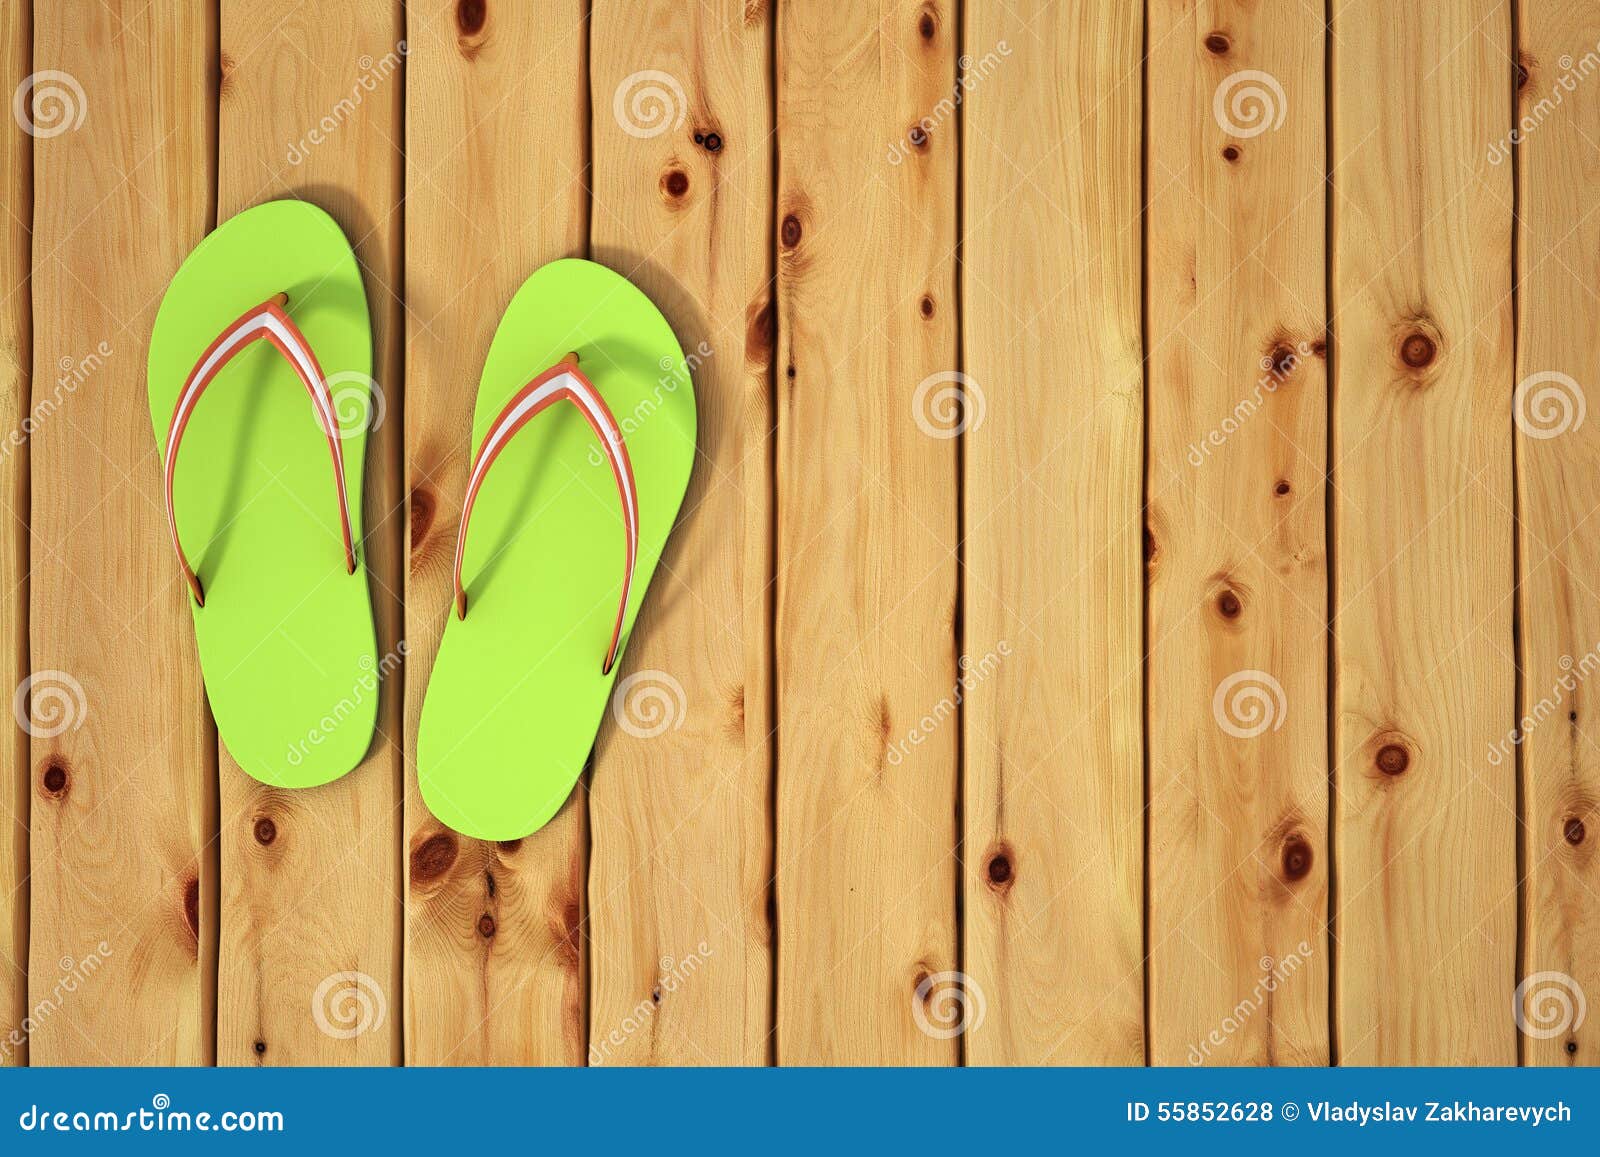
<point>1133,603</point>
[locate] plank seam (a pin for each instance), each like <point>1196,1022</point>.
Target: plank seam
<point>23,646</point>
<point>1330,536</point>
<point>960,626</point>
<point>769,590</point>
<point>1519,673</point>
<point>1144,509</point>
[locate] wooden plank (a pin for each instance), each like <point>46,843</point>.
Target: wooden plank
<point>1425,857</point>
<point>1238,670</point>
<point>1051,313</point>
<point>867,504</point>
<point>309,970</point>
<point>1557,455</point>
<point>123,774</point>
<point>495,969</point>
<point>681,851</point>
<point>16,335</point>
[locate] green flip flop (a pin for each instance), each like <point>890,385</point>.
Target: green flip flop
<point>267,319</point>
<point>565,534</point>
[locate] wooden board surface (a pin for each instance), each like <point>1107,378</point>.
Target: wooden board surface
<point>866,582</point>
<point>1558,310</point>
<point>681,846</point>
<point>123,754</point>
<point>1238,670</point>
<point>16,354</point>
<point>311,904</point>
<point>1050,302</point>
<point>1425,897</point>
<point>495,942</point>
<point>1058,367</point>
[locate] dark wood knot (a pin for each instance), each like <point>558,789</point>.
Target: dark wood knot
<point>55,779</point>
<point>674,184</point>
<point>191,906</point>
<point>1418,350</point>
<point>1393,759</point>
<point>423,507</point>
<point>470,16</point>
<point>1297,857</point>
<point>433,858</point>
<point>761,331</point>
<point>1001,868</point>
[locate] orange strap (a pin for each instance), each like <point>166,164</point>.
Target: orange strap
<point>266,321</point>
<point>562,382</point>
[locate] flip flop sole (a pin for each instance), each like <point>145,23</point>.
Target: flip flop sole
<point>286,636</point>
<point>517,693</point>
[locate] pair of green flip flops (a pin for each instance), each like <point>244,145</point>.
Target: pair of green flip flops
<point>583,436</point>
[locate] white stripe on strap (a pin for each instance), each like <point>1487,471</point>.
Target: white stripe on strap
<point>561,382</point>
<point>266,321</point>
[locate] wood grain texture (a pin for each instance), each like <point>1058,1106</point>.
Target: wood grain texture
<point>309,969</point>
<point>1054,779</point>
<point>16,354</point>
<point>867,505</point>
<point>123,795</point>
<point>495,969</point>
<point>1425,859</point>
<point>681,845</point>
<point>986,304</point>
<point>1558,457</point>
<point>1238,674</point>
